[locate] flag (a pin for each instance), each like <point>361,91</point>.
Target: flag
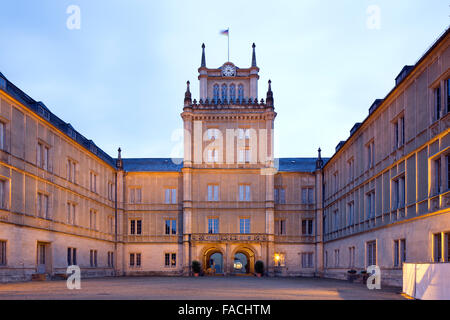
<point>225,32</point>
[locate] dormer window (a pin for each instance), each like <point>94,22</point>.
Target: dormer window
<point>224,93</point>
<point>216,93</point>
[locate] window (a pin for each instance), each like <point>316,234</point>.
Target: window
<point>351,257</point>
<point>326,259</point>
<point>71,256</point>
<point>110,259</point>
<point>244,192</point>
<point>307,227</point>
<point>170,227</point>
<point>171,196</point>
<point>370,154</point>
<point>71,170</point>
<point>279,259</point>
<point>244,155</point>
<point>2,253</point>
<point>2,135</point>
<point>110,191</point>
<point>213,192</point>
<point>399,132</point>
<point>351,213</point>
<point>307,195</point>
<point>447,84</point>
<point>437,176</point>
<point>437,103</point>
<point>241,93</point>
<point>232,93</point>
<point>42,153</point>
<point>244,225</point>
<point>42,205</point>
<point>170,260</point>
<point>135,260</point>
<point>280,227</point>
<point>71,213</point>
<point>243,133</point>
<point>280,195</point>
<point>399,252</point>
<point>336,258</point>
<point>336,223</point>
<point>336,181</point>
<point>351,168</point>
<point>307,259</point>
<point>213,133</point>
<point>448,172</point>
<point>216,93</point>
<point>371,253</point>
<point>398,193</point>
<point>2,194</point>
<point>213,225</point>
<point>93,258</point>
<point>370,204</point>
<point>437,256</point>
<point>111,225</point>
<point>224,93</point>
<point>92,181</point>
<point>135,227</point>
<point>93,219</point>
<point>135,195</point>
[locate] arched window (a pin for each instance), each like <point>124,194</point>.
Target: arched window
<point>232,93</point>
<point>216,93</point>
<point>241,93</point>
<point>224,93</point>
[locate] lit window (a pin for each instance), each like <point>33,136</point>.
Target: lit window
<point>279,259</point>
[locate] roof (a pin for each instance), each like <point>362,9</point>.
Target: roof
<point>153,164</point>
<point>176,164</point>
<point>40,109</point>
<point>297,164</point>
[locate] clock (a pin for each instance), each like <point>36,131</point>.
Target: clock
<point>228,70</point>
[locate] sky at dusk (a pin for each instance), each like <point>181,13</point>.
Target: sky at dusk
<point>120,78</point>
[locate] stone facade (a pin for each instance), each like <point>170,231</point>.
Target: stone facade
<point>229,203</point>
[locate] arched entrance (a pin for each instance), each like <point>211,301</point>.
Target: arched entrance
<point>243,261</point>
<point>213,261</point>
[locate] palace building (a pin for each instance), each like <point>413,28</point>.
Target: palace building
<point>382,198</point>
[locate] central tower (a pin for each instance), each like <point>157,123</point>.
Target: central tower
<point>228,169</point>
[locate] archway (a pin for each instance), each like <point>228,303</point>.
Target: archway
<point>243,261</point>
<point>213,261</point>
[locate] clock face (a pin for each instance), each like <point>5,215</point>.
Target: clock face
<point>228,70</point>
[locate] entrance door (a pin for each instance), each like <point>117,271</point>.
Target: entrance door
<point>41,257</point>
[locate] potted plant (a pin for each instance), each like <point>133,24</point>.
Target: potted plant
<point>351,275</point>
<point>259,268</point>
<point>196,268</point>
<point>365,276</point>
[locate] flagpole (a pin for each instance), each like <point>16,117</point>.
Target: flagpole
<point>228,44</point>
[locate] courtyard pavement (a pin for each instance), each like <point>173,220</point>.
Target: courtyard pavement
<point>202,288</point>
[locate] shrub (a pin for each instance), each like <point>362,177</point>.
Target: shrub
<point>259,267</point>
<point>196,266</point>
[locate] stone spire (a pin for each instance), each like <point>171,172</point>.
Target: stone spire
<point>203,64</point>
<point>269,97</point>
<point>254,56</point>
<point>119,162</point>
<point>319,161</point>
<point>187,95</point>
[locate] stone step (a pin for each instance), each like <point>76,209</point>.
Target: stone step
<point>39,277</point>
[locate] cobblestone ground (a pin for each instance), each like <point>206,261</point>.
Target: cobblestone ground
<point>174,288</point>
